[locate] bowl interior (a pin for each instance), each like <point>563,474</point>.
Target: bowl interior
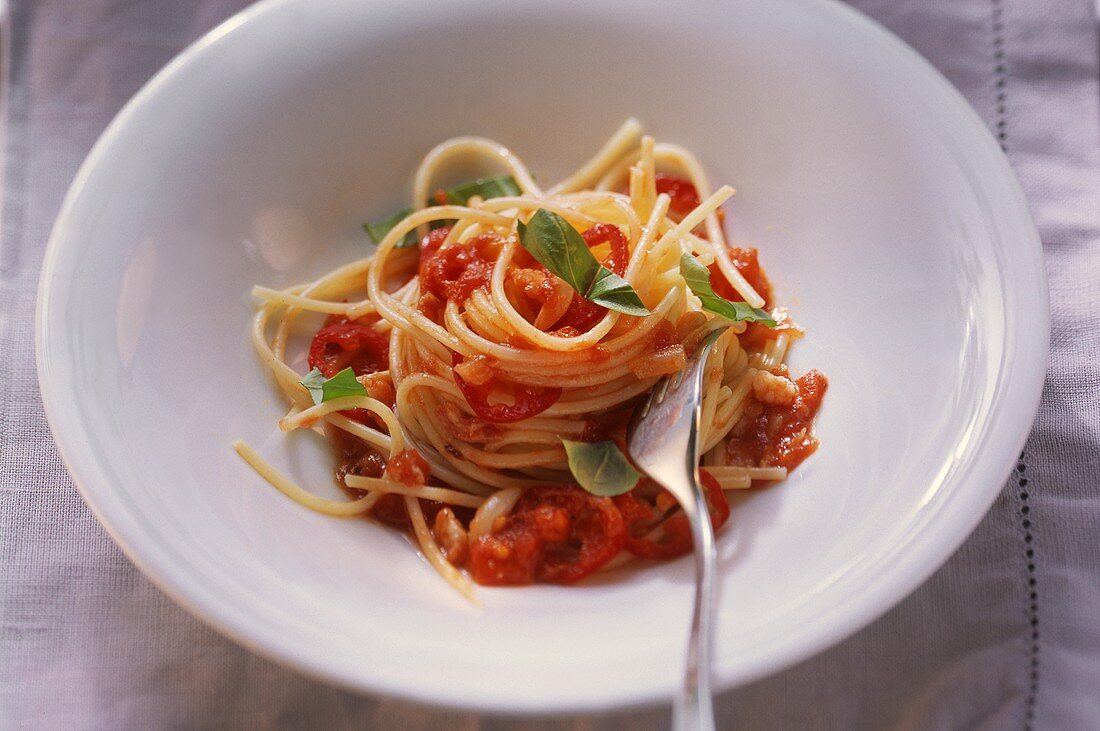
<point>882,210</point>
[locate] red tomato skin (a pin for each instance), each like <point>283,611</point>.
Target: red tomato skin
<point>682,194</point>
<point>528,400</point>
<point>454,272</point>
<point>343,343</point>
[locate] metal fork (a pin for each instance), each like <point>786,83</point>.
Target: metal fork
<point>663,441</point>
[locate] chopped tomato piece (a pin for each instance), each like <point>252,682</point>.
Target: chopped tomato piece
<point>454,272</point>
<point>555,533</point>
<point>345,343</point>
<point>675,538</point>
<point>747,262</point>
<point>684,197</point>
<point>527,401</point>
<point>431,243</point>
<point>779,435</point>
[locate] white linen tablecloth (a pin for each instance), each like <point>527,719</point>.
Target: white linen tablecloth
<point>1005,636</point>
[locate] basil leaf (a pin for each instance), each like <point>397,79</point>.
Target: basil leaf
<point>324,389</point>
<point>600,468</point>
<point>378,230</point>
<point>615,293</point>
<point>342,384</point>
<point>560,248</point>
<point>697,277</point>
<point>498,187</point>
<point>314,383</point>
<point>459,195</point>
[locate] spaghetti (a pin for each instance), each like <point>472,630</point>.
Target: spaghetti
<point>496,320</point>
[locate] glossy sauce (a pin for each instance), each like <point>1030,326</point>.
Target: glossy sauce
<point>771,435</point>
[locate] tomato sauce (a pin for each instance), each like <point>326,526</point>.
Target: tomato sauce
<point>757,335</point>
<point>642,518</point>
<point>556,533</point>
<point>354,457</point>
<point>774,435</point>
<point>408,467</point>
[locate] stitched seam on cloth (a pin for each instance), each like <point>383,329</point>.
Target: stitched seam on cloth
<point>15,143</point>
<point>1032,594</point>
<point>12,204</point>
<point>1000,77</point>
<point>12,215</point>
<point>1000,84</point>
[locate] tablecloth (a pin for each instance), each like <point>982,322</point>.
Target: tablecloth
<point>1005,636</point>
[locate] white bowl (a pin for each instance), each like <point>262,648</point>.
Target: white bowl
<point>884,211</point>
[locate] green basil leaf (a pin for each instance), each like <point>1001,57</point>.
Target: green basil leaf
<point>697,277</point>
<point>459,195</point>
<point>378,229</point>
<point>498,187</point>
<point>615,293</point>
<point>560,248</point>
<point>314,383</point>
<point>600,468</point>
<point>324,389</point>
<point>342,384</point>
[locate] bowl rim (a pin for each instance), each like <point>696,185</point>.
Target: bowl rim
<point>1021,395</point>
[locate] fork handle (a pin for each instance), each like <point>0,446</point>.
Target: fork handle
<point>693,707</point>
